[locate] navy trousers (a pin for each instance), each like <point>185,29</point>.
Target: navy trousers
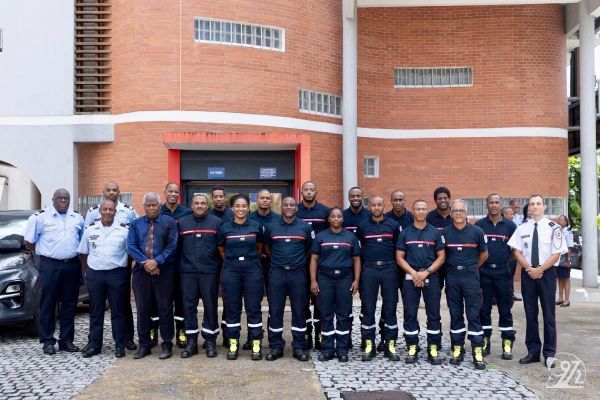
<point>411,297</point>
<point>495,281</point>
<point>544,290</point>
<point>373,278</point>
<point>463,293</point>
<point>335,299</point>
<point>158,288</point>
<point>196,286</point>
<point>178,315</point>
<point>129,326</point>
<point>284,283</point>
<point>243,279</point>
<point>108,285</point>
<point>60,283</point>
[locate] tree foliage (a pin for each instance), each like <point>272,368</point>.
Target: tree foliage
<point>575,191</point>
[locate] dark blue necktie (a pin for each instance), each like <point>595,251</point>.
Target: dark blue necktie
<point>535,250</point>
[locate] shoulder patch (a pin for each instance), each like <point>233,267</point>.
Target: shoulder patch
<point>443,239</point>
<point>485,239</point>
<point>553,225</point>
<point>312,234</point>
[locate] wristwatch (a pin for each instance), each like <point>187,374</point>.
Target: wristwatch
<point>429,270</point>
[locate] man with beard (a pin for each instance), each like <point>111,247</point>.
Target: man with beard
<point>219,209</point>
<point>398,212</point>
<point>314,214</point>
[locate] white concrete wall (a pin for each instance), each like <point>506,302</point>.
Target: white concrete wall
<point>36,64</point>
<point>19,191</point>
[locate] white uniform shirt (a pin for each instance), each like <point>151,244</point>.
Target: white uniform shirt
<point>550,239</point>
<point>125,214</point>
<point>517,219</point>
<point>55,235</point>
<point>106,246</point>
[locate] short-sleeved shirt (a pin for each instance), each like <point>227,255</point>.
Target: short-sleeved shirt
<point>404,220</point>
<point>378,241</point>
<point>463,245</point>
<point>240,240</point>
<point>263,220</point>
<point>550,239</point>
<point>353,220</point>
<point>335,250</point>
<point>55,235</point>
<point>420,245</point>
<point>289,243</point>
<point>106,246</point>
<point>180,211</point>
<point>125,214</point>
<point>198,244</point>
<point>226,215</point>
<point>497,235</point>
<point>315,216</point>
<point>437,220</point>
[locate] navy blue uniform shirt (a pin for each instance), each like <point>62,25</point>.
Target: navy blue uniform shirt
<point>198,244</point>
<point>420,245</point>
<point>240,240</point>
<point>289,243</point>
<point>463,246</point>
<point>498,235</point>
<point>435,218</point>
<point>264,220</point>
<point>378,240</point>
<point>316,216</point>
<point>226,215</point>
<point>335,250</point>
<point>405,220</point>
<point>180,211</point>
<point>165,240</point>
<point>353,220</point>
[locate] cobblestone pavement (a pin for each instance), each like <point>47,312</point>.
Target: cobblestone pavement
<point>423,380</point>
<point>26,373</point>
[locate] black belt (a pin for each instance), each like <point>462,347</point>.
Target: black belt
<point>492,265</point>
<point>378,263</point>
<point>461,267</point>
<point>66,260</point>
<point>290,267</point>
<point>241,259</point>
<point>335,272</point>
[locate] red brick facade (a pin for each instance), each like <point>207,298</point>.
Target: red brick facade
<point>517,54</point>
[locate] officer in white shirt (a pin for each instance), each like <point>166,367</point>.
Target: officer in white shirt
<point>54,234</point>
<point>125,214</point>
<point>516,207</point>
<point>103,249</point>
<point>537,245</point>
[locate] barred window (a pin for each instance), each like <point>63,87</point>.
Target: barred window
<point>371,166</point>
<point>320,103</point>
<point>555,206</point>
<point>85,202</point>
<point>239,34</point>
<point>433,77</point>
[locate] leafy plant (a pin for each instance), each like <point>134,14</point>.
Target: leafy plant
<point>575,191</point>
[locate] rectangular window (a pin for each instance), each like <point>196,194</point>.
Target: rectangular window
<point>239,34</point>
<point>433,77</point>
<point>371,166</point>
<point>477,207</point>
<point>319,103</point>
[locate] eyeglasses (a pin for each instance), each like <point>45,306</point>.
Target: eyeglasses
<point>459,211</point>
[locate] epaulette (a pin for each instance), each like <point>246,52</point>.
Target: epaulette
<point>76,211</point>
<point>128,206</point>
<point>554,225</point>
<point>93,207</point>
<point>92,224</point>
<point>125,226</point>
<point>39,212</point>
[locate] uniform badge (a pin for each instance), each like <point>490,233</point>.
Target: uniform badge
<point>526,245</point>
<point>287,240</point>
<point>335,247</point>
<point>379,239</point>
<point>443,239</point>
<point>242,239</point>
<point>312,234</point>
<point>198,235</point>
<point>93,245</point>
<point>485,238</point>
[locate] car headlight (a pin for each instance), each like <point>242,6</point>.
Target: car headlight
<point>10,262</point>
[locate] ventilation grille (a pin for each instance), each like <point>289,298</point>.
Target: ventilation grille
<point>92,56</point>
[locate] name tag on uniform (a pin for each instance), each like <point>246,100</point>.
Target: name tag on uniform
<point>198,235</point>
<point>493,239</point>
<point>287,240</point>
<point>459,248</point>
<point>420,245</point>
<point>242,239</point>
<point>335,247</point>
<point>524,236</point>
<point>379,239</point>
<point>310,222</point>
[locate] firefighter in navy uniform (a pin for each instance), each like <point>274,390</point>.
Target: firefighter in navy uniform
<point>495,276</point>
<point>378,236</point>
<point>240,243</point>
<point>334,277</point>
<point>315,214</point>
<point>466,251</point>
<point>288,240</point>
<point>420,253</point>
<point>354,215</point>
<point>173,209</point>
<point>125,214</point>
<point>537,245</point>
<point>199,268</point>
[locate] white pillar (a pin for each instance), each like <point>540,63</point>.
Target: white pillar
<point>349,100</point>
<point>589,182</point>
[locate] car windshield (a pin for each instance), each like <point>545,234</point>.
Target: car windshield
<point>12,225</point>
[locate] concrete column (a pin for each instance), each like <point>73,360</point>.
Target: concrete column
<point>589,180</point>
<point>349,100</point>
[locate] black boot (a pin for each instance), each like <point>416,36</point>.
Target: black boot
<point>191,347</point>
<point>211,348</point>
<point>487,344</point>
<point>167,351</point>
